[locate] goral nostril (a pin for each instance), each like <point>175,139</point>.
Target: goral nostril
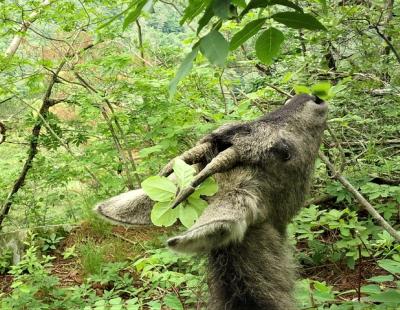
<point>172,242</point>
<point>318,100</point>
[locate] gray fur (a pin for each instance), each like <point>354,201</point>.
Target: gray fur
<point>130,208</point>
<point>243,230</point>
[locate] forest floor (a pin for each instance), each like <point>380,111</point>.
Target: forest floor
<point>129,244</point>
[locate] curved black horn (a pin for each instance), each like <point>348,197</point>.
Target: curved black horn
<point>222,162</point>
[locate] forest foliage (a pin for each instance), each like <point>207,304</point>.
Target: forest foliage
<point>97,96</point>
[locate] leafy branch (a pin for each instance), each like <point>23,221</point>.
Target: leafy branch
<point>163,190</point>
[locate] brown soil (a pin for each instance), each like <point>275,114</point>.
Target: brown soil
<point>344,279</point>
<point>67,270</point>
<point>5,283</point>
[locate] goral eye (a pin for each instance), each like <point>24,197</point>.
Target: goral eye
<point>281,150</point>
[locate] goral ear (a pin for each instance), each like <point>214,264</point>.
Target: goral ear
<point>223,222</point>
<point>130,208</point>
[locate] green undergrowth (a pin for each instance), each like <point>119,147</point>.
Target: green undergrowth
<point>118,268</point>
<point>113,270</point>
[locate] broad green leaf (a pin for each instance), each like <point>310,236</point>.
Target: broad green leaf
<point>208,14</point>
<point>221,8</point>
<point>268,44</point>
<point>208,188</point>
<point>321,90</point>
<point>134,14</point>
<point>183,70</point>
<point>370,289</point>
<point>390,265</point>
<point>159,188</point>
<point>184,173</point>
<point>302,293</point>
<point>379,279</point>
<point>254,4</point>
<point>172,302</point>
<point>322,287</point>
<point>115,301</point>
<point>322,292</point>
<point>301,89</point>
<point>132,301</point>
<point>215,48</point>
<point>246,33</point>
<point>154,305</point>
<point>197,203</point>
<point>187,215</point>
<point>389,296</point>
<point>298,20</point>
<point>163,215</point>
<point>287,77</point>
<point>101,302</point>
<point>194,8</point>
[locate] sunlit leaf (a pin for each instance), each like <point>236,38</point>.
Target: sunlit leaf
<point>183,172</point>
<point>301,89</point>
<point>159,188</point>
<point>321,90</point>
<point>197,204</point>
<point>187,215</point>
<point>207,188</point>
<point>163,215</point>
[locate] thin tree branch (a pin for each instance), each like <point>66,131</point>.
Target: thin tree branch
<point>42,113</point>
<point>266,72</point>
<point>140,39</point>
<point>221,86</point>
<point>115,137</point>
<point>3,130</point>
<point>16,41</point>
<point>7,99</point>
<point>389,44</point>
